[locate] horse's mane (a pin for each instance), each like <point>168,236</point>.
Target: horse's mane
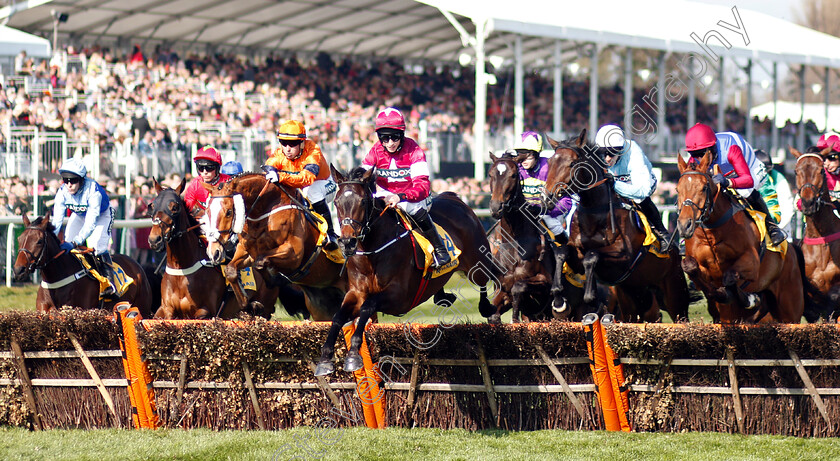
<point>356,173</point>
<point>40,219</point>
<point>693,166</point>
<point>572,143</point>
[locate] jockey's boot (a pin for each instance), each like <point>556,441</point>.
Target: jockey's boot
<point>655,220</point>
<point>424,221</point>
<point>323,209</point>
<point>777,235</point>
<point>106,269</point>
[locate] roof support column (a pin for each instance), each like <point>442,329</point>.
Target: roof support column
<point>518,89</point>
<point>558,89</point>
<point>749,123</point>
<point>593,89</point>
<point>721,110</point>
<point>774,131</point>
<point>691,112</point>
<point>800,130</point>
<point>628,89</point>
<point>480,100</point>
<point>827,90</point>
<point>660,102</point>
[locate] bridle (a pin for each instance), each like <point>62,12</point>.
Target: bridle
<point>810,186</point>
<point>171,231</point>
<point>32,261</point>
<point>360,228</point>
<point>706,211</point>
<point>508,205</point>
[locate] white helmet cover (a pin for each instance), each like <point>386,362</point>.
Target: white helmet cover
<point>73,165</point>
<point>611,136</point>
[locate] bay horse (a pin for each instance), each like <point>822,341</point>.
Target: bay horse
<point>192,288</point>
<point>524,253</point>
<point>65,281</point>
<point>725,256</point>
<point>383,273</point>
<point>609,244</point>
<point>277,233</point>
<point>821,243</point>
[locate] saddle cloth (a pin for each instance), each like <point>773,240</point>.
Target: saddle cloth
<point>651,242</point>
<point>246,276</point>
<point>759,218</point>
<point>428,249</point>
<point>121,279</point>
<point>334,255</point>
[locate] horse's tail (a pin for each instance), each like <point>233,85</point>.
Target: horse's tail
<point>816,304</point>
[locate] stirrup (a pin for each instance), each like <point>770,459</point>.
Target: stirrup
<point>779,233</point>
<point>440,261</point>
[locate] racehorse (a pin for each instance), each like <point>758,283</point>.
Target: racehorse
<point>192,288</point>
<point>523,251</point>
<point>277,233</point>
<point>821,244</point>
<point>384,275</point>
<point>65,281</point>
<point>609,242</point>
<point>726,257</point>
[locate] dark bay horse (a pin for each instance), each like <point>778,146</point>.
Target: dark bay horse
<point>608,241</point>
<point>65,282</point>
<point>821,244</point>
<point>725,257</point>
<point>381,265</point>
<point>192,288</point>
<point>524,253</point>
<point>278,233</point>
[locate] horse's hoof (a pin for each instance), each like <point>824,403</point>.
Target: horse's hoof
<point>257,308</point>
<point>353,362</point>
<point>561,308</point>
<point>324,368</point>
<point>495,319</point>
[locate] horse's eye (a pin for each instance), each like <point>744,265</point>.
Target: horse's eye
<point>228,213</point>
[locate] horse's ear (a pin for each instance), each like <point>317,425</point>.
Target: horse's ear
<point>47,215</point>
<point>681,163</point>
<point>26,221</point>
<point>794,152</point>
<point>369,175</point>
<point>581,139</point>
<point>706,161</point>
<point>552,142</point>
<point>207,186</point>
<point>339,178</point>
<point>825,151</point>
<point>180,187</point>
<point>493,158</point>
<point>158,187</point>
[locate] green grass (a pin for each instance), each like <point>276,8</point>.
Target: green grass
<point>464,311</point>
<point>399,444</point>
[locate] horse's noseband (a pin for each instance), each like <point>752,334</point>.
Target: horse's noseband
<point>706,211</point>
<point>32,261</point>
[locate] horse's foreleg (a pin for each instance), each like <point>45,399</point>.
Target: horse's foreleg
<point>231,273</point>
<point>325,364</point>
<point>712,293</point>
<point>589,263</point>
<point>732,281</point>
<point>518,292</point>
<point>561,253</point>
<point>353,361</point>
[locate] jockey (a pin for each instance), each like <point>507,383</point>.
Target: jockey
<point>208,162</point>
<point>831,162</point>
<point>403,175</point>
<point>533,172</point>
<point>299,163</point>
<point>776,191</point>
<point>91,217</point>
<point>633,175</point>
<point>739,168</point>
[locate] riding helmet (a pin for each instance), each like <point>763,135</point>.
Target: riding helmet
<point>700,137</point>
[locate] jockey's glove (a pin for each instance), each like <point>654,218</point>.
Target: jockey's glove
<point>721,180</point>
<point>270,173</point>
<point>67,246</point>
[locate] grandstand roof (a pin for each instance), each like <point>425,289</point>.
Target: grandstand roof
<point>417,29</point>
